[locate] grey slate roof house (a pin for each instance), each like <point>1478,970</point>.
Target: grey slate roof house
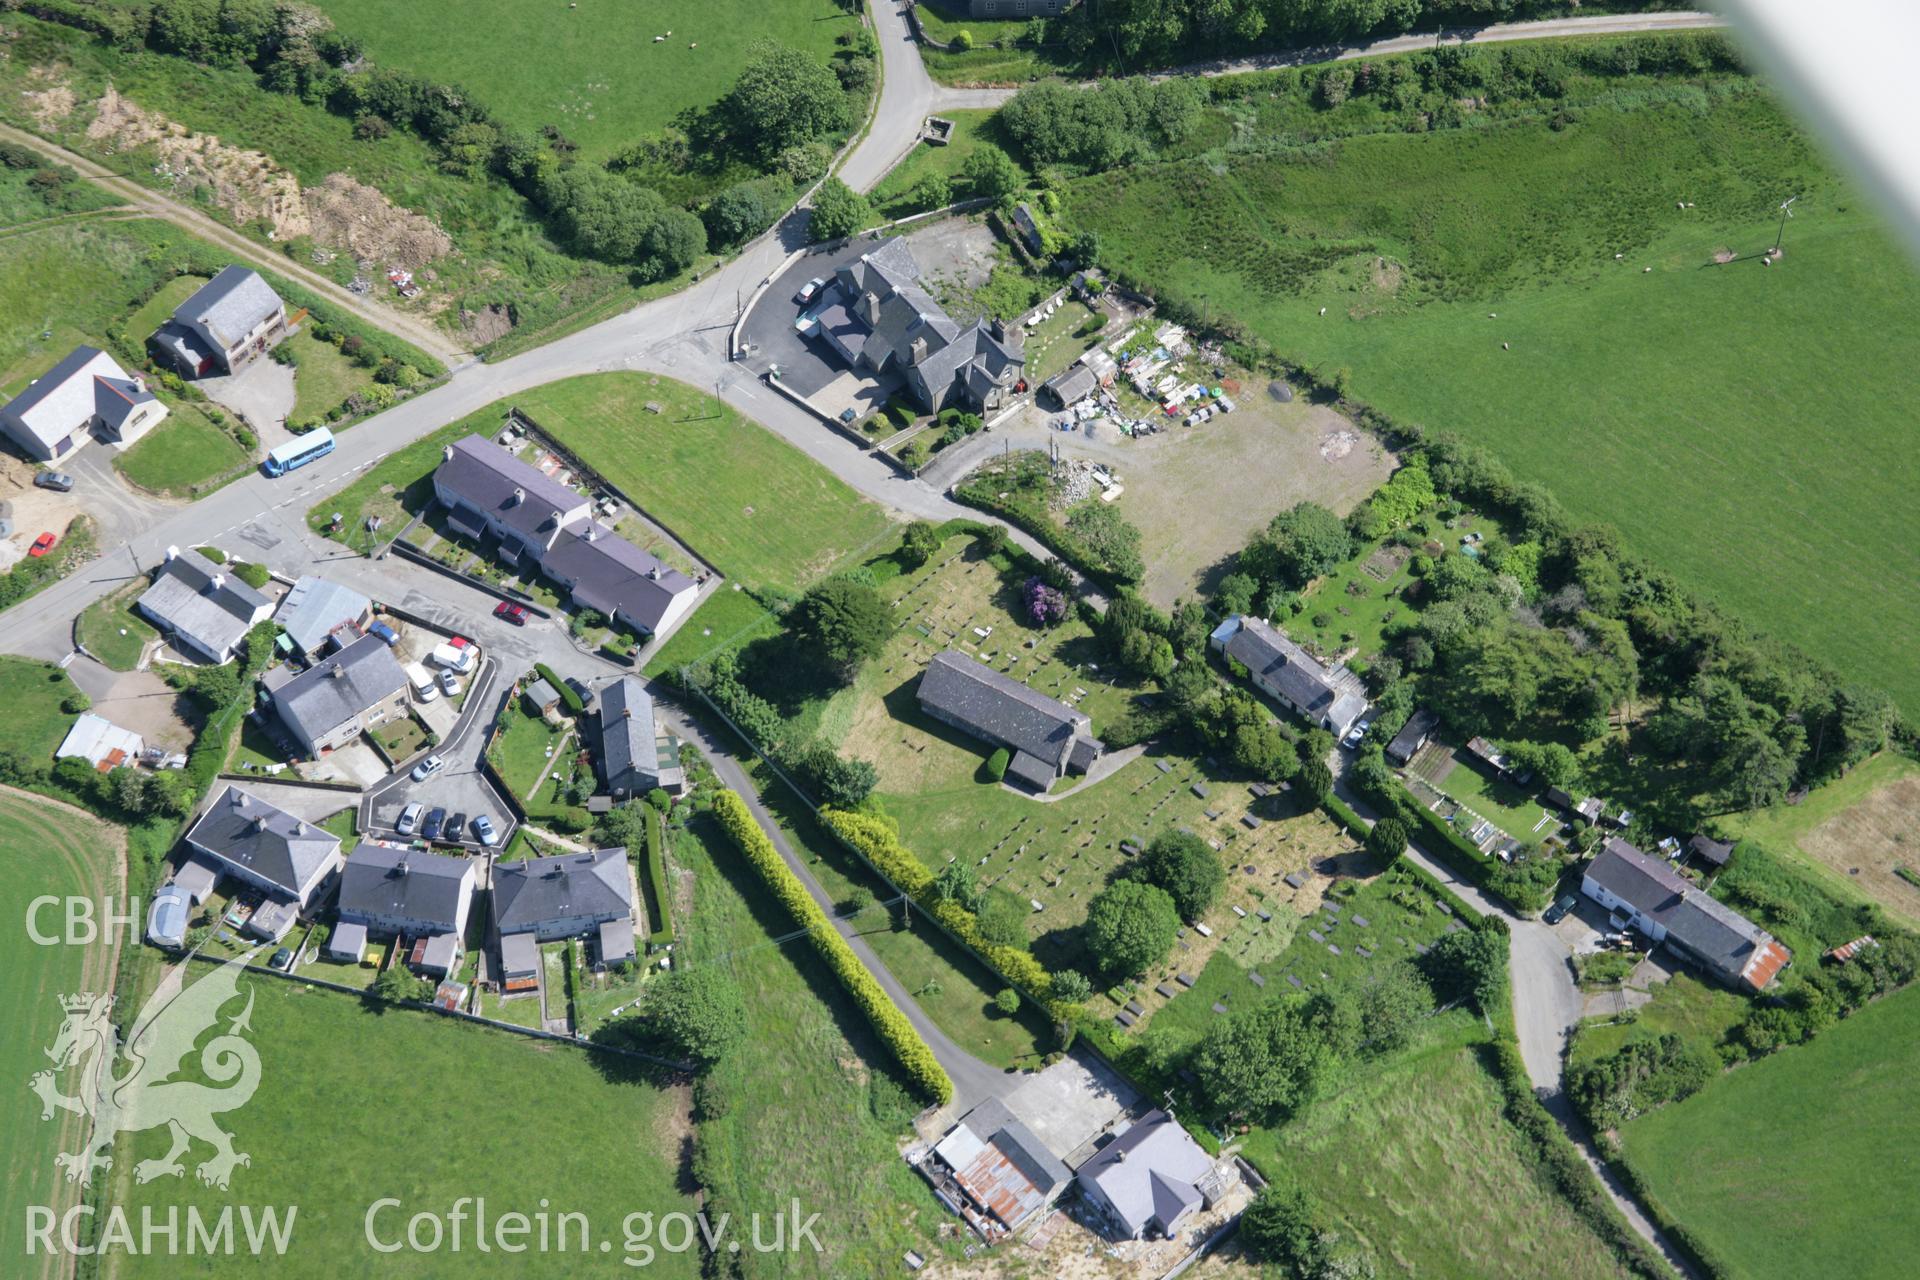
<point>201,608</point>
<point>1048,738</point>
<point>550,898</point>
<point>86,395</point>
<point>1667,907</point>
<point>270,851</point>
<point>881,319</point>
<point>1070,386</point>
<point>630,742</point>
<point>1288,673</point>
<point>1148,1180</point>
<point>402,891</point>
<point>993,1171</point>
<point>228,322</point>
<point>610,575</point>
<point>489,492</point>
<point>1413,735</point>
<point>339,697</point>
<point>315,608</point>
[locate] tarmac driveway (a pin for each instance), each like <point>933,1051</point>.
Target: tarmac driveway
<point>460,786</point>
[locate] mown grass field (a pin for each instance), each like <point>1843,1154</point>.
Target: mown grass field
<point>809,1106</point>
<point>56,851</point>
<point>1785,1167</point>
<point>184,451</point>
<point>113,632</point>
<point>1416,1160</point>
<point>32,693</point>
<point>1856,830</point>
<point>1744,426</point>
<point>355,1104</point>
<point>594,72</point>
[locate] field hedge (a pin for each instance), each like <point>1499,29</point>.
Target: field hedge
<point>1563,1165</point>
<point>655,867</point>
<point>568,697</point>
<point>875,840</point>
<point>887,1019</point>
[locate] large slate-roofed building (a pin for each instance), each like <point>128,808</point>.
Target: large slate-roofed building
<point>1667,907</point>
<point>228,322</point>
<point>1288,673</point>
<point>488,491</point>
<point>604,572</point>
<point>201,608</point>
<point>268,849</point>
<point>562,897</point>
<point>880,318</point>
<point>630,761</point>
<point>339,697</point>
<point>86,395</point>
<point>1048,738</point>
<point>405,892</point>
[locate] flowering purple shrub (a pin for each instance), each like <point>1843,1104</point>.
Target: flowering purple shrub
<point>1045,605</point>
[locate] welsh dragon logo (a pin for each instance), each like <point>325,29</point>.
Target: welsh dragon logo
<point>144,1095</point>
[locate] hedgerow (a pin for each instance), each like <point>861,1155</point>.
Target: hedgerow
<point>887,1019</point>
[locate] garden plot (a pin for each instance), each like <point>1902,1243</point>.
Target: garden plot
<point>1859,829</point>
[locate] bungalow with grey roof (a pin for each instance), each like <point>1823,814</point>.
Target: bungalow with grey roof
<point>396,891</point>
<point>604,572</point>
<point>316,608</point>
<point>227,323</point>
<point>1328,697</point>
<point>1048,738</point>
<point>86,395</point>
<point>1667,907</point>
<point>203,610</point>
<point>341,696</point>
<point>282,858</point>
<point>1149,1180</point>
<point>630,760</point>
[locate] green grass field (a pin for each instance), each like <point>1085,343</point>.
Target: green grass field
<point>594,72</point>
<point>113,632</point>
<point>355,1104</point>
<point>48,850</point>
<point>32,693</point>
<point>184,451</point>
<point>743,499</point>
<point>809,1106</point>
<point>1416,1160</point>
<point>1745,426</point>
<point>1855,831</point>
<point>970,129</point>
<point>323,378</point>
<point>1793,1166</point>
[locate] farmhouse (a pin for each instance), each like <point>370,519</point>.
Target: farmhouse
<point>86,395</point>
<point>280,859</point>
<point>577,894</point>
<point>630,762</point>
<point>992,1171</point>
<point>341,696</point>
<point>100,742</point>
<point>316,608</point>
<point>201,609</point>
<point>227,323</point>
<point>1048,738</point>
<point>1149,1179</point>
<point>1412,736</point>
<point>881,320</point>
<point>490,493</point>
<point>1330,698</point>
<point>404,892</point>
<point>1662,904</point>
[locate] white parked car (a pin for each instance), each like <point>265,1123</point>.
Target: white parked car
<point>450,684</point>
<point>409,818</point>
<point>428,767</point>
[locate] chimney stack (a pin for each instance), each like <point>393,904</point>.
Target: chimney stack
<point>916,350</point>
<point>519,495</point>
<point>172,552</point>
<point>446,453</point>
<point>216,582</point>
<point>870,308</point>
<point>593,531</point>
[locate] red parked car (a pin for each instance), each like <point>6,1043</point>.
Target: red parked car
<point>510,612</point>
<point>41,545</point>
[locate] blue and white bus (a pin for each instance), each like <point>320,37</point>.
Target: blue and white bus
<point>299,451</point>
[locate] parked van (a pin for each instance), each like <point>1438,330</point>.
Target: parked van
<point>454,659</point>
<point>424,687</point>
